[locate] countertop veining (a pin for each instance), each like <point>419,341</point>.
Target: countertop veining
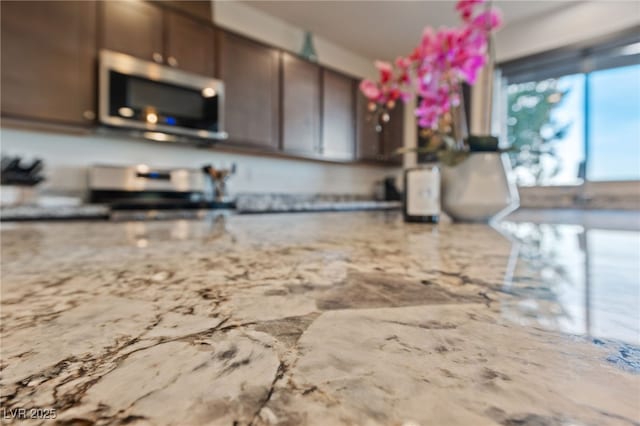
<point>320,319</point>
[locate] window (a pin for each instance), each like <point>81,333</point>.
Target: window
<point>614,124</point>
<point>546,125</point>
<point>575,115</point>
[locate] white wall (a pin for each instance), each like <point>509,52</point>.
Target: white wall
<point>67,156</point>
<point>574,23</point>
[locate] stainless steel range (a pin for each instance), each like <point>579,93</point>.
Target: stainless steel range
<point>142,187</point>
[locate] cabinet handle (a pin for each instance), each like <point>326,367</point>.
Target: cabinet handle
<point>157,57</point>
<point>89,115</point>
<point>173,62</point>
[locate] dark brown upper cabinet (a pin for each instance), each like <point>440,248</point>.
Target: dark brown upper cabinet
<point>393,135</point>
<point>48,61</point>
<point>369,141</point>
<point>189,44</point>
<point>250,72</point>
<point>300,106</point>
<point>134,28</point>
<point>338,116</point>
<point>158,34</point>
<point>379,146</point>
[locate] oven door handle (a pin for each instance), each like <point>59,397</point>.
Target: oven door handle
<point>154,175</point>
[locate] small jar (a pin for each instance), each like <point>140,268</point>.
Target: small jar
<point>422,193</point>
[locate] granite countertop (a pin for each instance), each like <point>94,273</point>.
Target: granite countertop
<point>284,203</point>
<point>320,319</point>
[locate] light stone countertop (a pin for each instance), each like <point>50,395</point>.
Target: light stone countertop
<point>320,319</point>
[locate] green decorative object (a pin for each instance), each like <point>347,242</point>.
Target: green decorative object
<point>308,51</point>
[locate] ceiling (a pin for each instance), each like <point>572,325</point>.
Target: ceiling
<point>383,29</point>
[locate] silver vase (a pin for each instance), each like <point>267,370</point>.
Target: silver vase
<point>480,188</point>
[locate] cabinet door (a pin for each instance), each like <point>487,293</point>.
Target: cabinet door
<point>48,60</point>
<point>189,44</point>
<point>250,74</point>
<point>132,27</point>
<point>369,140</point>
<point>393,135</point>
<point>301,106</point>
<point>338,116</point>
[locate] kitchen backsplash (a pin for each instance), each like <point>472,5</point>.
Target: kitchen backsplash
<point>67,157</point>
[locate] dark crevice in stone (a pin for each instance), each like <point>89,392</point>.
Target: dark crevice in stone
<point>486,297</point>
<point>309,390</point>
<point>89,366</point>
<point>282,368</point>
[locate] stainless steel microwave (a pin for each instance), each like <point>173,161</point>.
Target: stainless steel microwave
<point>159,100</point>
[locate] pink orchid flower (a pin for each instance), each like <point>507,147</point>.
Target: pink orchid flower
<point>370,90</point>
<point>490,19</point>
<point>386,70</point>
<point>437,66</point>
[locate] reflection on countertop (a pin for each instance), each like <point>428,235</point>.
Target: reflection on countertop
<point>333,318</point>
<point>575,279</point>
<point>591,219</point>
